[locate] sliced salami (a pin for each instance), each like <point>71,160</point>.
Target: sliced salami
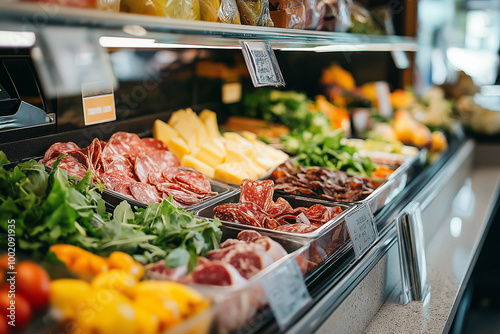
<point>71,165</point>
<point>170,173</point>
<point>156,178</point>
<point>247,213</point>
<point>194,181</point>
<point>116,147</point>
<point>143,166</point>
<point>248,235</point>
<point>111,179</point>
<point>281,207</point>
<point>127,137</point>
<point>164,159</point>
<point>259,192</point>
<point>123,188</point>
<point>123,165</point>
<point>144,193</point>
<point>154,144</point>
<point>57,149</point>
<point>297,228</point>
<point>178,193</point>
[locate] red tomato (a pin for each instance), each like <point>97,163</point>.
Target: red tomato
<point>22,310</point>
<point>33,281</point>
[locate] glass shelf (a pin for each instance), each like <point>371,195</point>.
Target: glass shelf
<point>142,31</point>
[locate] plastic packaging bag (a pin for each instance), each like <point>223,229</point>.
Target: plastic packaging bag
<point>288,13</point>
<point>255,13</point>
<point>209,10</point>
<point>228,12</point>
<point>178,9</point>
<point>337,15</point>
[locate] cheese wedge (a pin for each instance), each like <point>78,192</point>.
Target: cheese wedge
<point>230,172</point>
<point>209,119</point>
<point>211,154</point>
<point>190,161</point>
<point>178,147</point>
<point>164,132</point>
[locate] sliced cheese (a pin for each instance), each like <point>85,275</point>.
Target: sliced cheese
<point>177,116</point>
<point>190,161</point>
<point>164,132</point>
<point>230,172</point>
<point>249,166</point>
<point>211,154</point>
<point>178,147</point>
<point>209,119</point>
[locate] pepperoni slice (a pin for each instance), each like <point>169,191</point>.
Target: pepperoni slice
<point>259,192</point>
<point>144,193</point>
<point>154,144</point>
<point>143,166</point>
<point>194,181</point>
<point>164,159</point>
<point>297,228</point>
<point>57,149</point>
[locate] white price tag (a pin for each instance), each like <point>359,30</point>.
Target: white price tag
<point>262,64</point>
<point>362,229</point>
<point>286,292</point>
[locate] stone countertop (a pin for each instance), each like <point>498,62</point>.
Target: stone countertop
<point>450,255</point>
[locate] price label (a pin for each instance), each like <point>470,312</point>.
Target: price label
<point>98,102</point>
<point>262,64</point>
<point>286,292</point>
<point>362,229</point>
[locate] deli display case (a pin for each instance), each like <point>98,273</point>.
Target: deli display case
<point>397,258</point>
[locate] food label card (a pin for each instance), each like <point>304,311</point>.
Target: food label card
<point>98,103</point>
<point>286,291</point>
<point>362,229</point>
<point>262,64</point>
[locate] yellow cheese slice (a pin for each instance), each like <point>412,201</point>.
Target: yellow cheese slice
<point>230,172</point>
<point>209,119</point>
<point>190,161</point>
<point>178,147</point>
<point>210,154</point>
<point>162,131</point>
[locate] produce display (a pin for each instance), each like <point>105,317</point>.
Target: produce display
<point>197,142</point>
<point>322,183</point>
<point>257,208</point>
<point>117,302</point>
<point>143,169</point>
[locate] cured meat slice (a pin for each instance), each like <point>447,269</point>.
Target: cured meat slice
<point>123,188</point>
<point>121,164</point>
<point>248,235</point>
<point>178,193</point>
<point>143,166</point>
<point>144,193</point>
<point>270,223</point>
<point>287,219</point>
<point>71,165</point>
<point>170,173</point>
<point>273,248</point>
<point>281,207</point>
<point>215,273</point>
<point>94,155</point>
<point>56,149</point>
<point>248,259</point>
<point>194,181</point>
<point>259,192</point>
<point>154,144</point>
<point>247,213</point>
<point>156,178</point>
<point>164,159</point>
<point>127,137</point>
<point>297,228</point>
<point>111,179</point>
<point>231,242</point>
<point>116,147</point>
<point>158,271</point>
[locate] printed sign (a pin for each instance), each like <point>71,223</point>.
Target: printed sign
<point>362,229</point>
<point>98,103</point>
<point>286,291</point>
<point>262,64</point>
